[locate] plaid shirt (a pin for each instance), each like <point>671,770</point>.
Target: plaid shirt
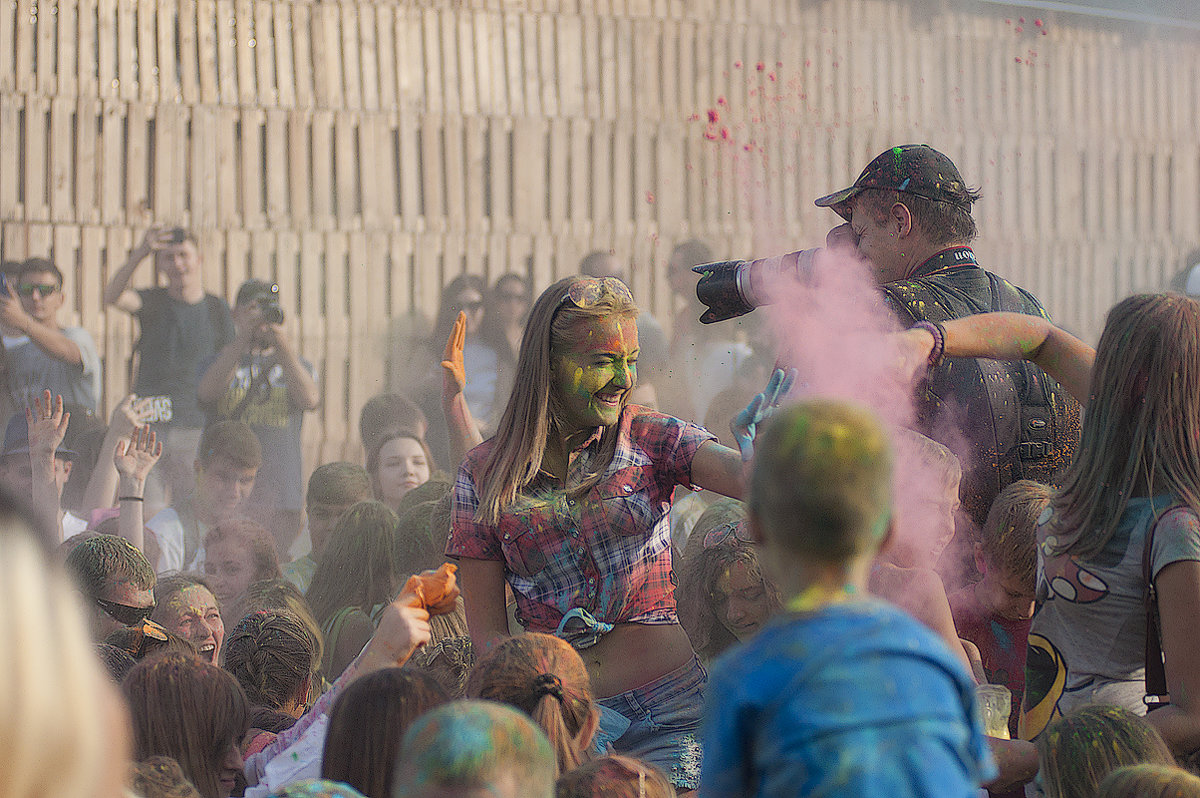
<point>608,551</point>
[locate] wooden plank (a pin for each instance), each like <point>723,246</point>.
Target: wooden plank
<point>464,47</point>
<point>514,69</point>
<point>227,52</point>
<point>529,174</point>
<point>250,169</point>
<point>548,77</point>
<point>336,345</point>
<point>432,177</point>
<point>62,161</point>
<point>346,182</point>
<point>299,177</point>
<point>408,147</point>
<point>266,47</point>
<point>170,171</point>
<point>558,190</point>
<point>207,64</point>
<point>432,67</point>
<point>303,60</point>
<point>66,48</point>
<point>454,157</point>
<point>326,49</point>
<point>276,166</point>
<point>385,57</point>
<point>147,51</point>
<point>443,32</point>
<point>368,63</point>
<point>410,58</point>
<point>580,197</point>
<point>25,45</point>
<point>126,85</point>
<point>37,198</point>
<point>187,75</point>
<point>244,44</point>
<point>284,38</point>
<point>374,165</point>
<point>201,157</point>
<point>225,167</point>
<point>8,36</point>
<point>351,62</point>
<point>10,157</point>
<point>322,171</point>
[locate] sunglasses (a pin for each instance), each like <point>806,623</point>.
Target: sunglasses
<point>124,614</point>
<point>739,529</point>
<point>587,292</point>
<point>45,289</point>
<point>145,639</point>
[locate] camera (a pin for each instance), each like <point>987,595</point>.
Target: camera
<point>178,235</point>
<point>272,313</point>
<point>733,288</point>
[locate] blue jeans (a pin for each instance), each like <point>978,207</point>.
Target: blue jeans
<point>659,723</point>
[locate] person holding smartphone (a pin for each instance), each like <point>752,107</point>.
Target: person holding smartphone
<point>41,354</point>
<point>181,326</point>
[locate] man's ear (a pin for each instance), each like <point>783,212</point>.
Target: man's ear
<point>900,220</point>
<point>980,560</point>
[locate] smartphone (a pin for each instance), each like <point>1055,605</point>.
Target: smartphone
<point>178,235</point>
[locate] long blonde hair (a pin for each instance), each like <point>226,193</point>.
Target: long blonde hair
<point>534,412</point>
<point>56,724</point>
<point>1142,425</point>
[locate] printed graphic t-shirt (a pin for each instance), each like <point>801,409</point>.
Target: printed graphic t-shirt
<point>1087,642</point>
<point>175,338</point>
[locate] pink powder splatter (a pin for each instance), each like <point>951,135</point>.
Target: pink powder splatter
<point>714,116</point>
<point>760,66</point>
<point>722,101</point>
<point>737,64</point>
<point>650,197</point>
<point>771,76</point>
<point>1038,22</point>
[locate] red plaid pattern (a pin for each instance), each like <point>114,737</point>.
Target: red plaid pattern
<point>608,551</point>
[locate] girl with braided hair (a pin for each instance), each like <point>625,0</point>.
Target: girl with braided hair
<point>544,677</point>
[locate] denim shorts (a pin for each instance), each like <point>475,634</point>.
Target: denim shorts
<point>659,723</point>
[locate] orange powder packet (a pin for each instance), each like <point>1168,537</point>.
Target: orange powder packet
<point>436,591</point>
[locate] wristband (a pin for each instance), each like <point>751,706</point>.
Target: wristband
<point>937,353</point>
<point>131,499</point>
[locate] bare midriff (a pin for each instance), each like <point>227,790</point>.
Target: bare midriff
<point>635,654</point>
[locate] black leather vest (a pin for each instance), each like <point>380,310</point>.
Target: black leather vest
<point>1019,423</point>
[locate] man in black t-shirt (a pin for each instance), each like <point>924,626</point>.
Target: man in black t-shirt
<point>181,326</point>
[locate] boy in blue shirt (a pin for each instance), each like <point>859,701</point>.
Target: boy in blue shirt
<point>841,694</point>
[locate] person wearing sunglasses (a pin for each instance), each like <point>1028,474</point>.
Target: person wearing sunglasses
<point>568,503</point>
<point>117,582</point>
<point>40,353</point>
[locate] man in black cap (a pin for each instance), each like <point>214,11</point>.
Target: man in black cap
<point>909,216</point>
<point>259,379</point>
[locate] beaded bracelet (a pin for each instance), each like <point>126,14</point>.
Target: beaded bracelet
<point>939,340</point>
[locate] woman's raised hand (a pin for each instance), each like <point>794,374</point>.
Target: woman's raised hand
<point>745,424</point>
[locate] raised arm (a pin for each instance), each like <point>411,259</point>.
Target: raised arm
<point>133,458</point>
<point>126,417</point>
<point>464,432</point>
<point>47,428</point>
<point>117,293</point>
<point>51,340</point>
<point>1012,336</point>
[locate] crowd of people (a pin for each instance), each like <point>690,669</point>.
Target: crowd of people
<point>591,553</point>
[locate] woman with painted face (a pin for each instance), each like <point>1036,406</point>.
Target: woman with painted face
<point>723,595</point>
<point>568,504</point>
<point>187,606</point>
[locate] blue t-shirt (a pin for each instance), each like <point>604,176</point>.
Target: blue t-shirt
<point>855,699</point>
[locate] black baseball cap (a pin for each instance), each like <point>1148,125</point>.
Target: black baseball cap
<point>16,439</point>
<point>255,289</point>
<point>916,169</point>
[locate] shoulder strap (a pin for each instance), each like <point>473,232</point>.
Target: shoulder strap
<point>1156,676</point>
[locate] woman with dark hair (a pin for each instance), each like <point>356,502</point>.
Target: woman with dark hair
<point>358,573</point>
<point>568,505</point>
<point>188,607</point>
<point>723,596</point>
<point>1125,522</point>
<point>193,712</point>
<point>367,723</point>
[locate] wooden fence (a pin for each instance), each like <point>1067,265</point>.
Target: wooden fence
<point>363,153</point>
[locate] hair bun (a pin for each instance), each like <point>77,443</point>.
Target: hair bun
<point>548,684</point>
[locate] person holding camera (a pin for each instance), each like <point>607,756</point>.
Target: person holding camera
<point>259,379</point>
<point>181,325</point>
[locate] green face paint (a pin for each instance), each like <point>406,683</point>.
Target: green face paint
<point>593,378</point>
